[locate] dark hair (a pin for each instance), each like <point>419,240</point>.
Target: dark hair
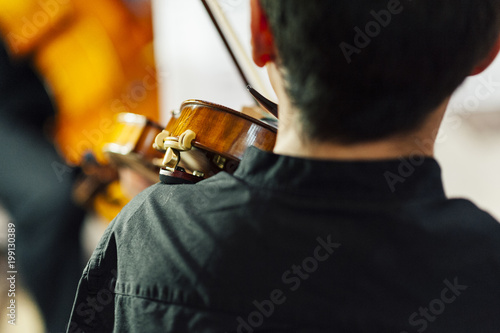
<point>361,70</point>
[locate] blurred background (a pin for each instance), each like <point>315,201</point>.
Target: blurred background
<point>68,67</point>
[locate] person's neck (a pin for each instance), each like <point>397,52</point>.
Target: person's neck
<point>291,142</point>
<point>291,145</point>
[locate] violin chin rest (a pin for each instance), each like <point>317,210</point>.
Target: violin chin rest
<point>178,177</point>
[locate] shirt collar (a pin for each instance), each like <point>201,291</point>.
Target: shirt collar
<point>398,179</point>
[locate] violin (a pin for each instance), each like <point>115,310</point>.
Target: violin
<point>199,141</point>
<point>205,138</point>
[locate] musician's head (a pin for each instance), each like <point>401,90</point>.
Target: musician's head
<point>362,70</point>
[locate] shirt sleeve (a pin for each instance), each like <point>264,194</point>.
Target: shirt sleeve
<point>93,308</point>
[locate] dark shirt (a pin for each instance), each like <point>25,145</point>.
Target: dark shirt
<point>295,245</point>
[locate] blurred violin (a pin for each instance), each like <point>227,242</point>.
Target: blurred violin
<point>97,60</point>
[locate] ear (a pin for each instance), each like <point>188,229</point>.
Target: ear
<point>263,49</point>
<point>488,60</point>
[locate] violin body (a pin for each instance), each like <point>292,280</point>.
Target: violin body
<point>222,130</point>
<point>221,136</point>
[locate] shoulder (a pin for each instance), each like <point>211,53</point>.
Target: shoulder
<point>459,235</point>
<point>467,216</point>
<point>166,216</point>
